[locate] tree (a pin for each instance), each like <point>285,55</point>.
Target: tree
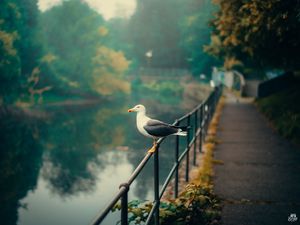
<point>175,31</point>
<point>108,70</point>
<point>18,46</point>
<point>155,27</point>
<point>72,41</point>
<point>261,34</point>
<point>75,48</point>
<point>195,34</point>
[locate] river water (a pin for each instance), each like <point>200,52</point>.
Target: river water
<point>64,168</point>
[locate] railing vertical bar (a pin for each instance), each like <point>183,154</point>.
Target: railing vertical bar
<point>177,165</point>
<point>201,127</point>
<point>124,209</point>
<point>208,115</point>
<point>195,136</point>
<point>216,98</point>
<point>206,119</point>
<point>203,122</point>
<point>188,147</point>
<point>156,186</point>
<point>211,108</point>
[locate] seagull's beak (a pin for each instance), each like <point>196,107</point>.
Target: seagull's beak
<point>130,110</point>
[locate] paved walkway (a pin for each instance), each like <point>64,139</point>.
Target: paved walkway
<point>260,178</point>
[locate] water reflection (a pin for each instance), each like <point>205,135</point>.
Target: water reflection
<point>20,162</point>
<point>68,154</point>
<point>74,160</point>
<point>75,143</point>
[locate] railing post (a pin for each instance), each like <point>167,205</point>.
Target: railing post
<point>156,186</point>
<point>124,204</point>
<point>188,147</point>
<point>201,127</point>
<point>215,98</point>
<point>203,122</point>
<point>214,101</point>
<point>176,163</point>
<point>195,135</point>
<point>206,118</point>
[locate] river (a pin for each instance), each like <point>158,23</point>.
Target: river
<point>64,168</point>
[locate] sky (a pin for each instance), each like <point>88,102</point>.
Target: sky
<point>107,8</point>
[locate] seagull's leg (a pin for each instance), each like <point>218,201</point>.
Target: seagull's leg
<point>153,149</point>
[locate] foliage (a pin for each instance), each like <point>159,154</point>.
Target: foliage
<point>195,205</point>
<point>261,34</point>
<point>165,88</point>
<point>9,66</point>
<point>76,54</point>
<point>118,36</point>
<point>195,34</point>
<point>166,92</point>
<point>76,51</point>
<point>18,46</point>
<point>33,81</point>
<point>82,54</point>
<point>284,112</point>
<point>72,41</point>
<point>109,67</point>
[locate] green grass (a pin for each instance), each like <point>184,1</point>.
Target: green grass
<point>283,109</point>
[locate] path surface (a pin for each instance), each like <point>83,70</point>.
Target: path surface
<point>260,178</point>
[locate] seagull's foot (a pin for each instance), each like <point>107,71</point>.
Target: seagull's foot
<point>153,149</point>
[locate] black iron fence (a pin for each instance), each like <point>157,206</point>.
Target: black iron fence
<point>198,120</point>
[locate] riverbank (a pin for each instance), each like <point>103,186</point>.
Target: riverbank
<point>163,96</point>
<point>41,111</point>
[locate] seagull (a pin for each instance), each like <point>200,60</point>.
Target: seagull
<point>155,129</point>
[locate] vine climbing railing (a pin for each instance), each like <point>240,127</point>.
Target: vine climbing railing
<point>198,120</point>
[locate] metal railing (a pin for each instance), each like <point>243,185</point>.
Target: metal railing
<point>198,119</point>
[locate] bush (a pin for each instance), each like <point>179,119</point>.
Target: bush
<point>284,111</point>
<point>195,205</point>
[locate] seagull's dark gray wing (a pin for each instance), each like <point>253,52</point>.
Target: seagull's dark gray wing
<point>159,129</point>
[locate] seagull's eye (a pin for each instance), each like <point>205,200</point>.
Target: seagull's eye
<point>138,107</point>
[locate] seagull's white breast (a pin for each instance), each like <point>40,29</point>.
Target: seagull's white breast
<point>141,121</point>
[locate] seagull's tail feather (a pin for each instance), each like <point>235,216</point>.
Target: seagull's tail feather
<point>182,130</point>
<point>181,133</point>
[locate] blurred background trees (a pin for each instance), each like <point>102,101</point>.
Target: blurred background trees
<point>60,51</point>
<point>19,47</point>
<point>174,31</point>
<point>70,49</point>
<point>76,43</point>
<point>259,34</point>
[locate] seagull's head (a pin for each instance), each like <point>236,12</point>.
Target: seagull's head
<point>137,108</point>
